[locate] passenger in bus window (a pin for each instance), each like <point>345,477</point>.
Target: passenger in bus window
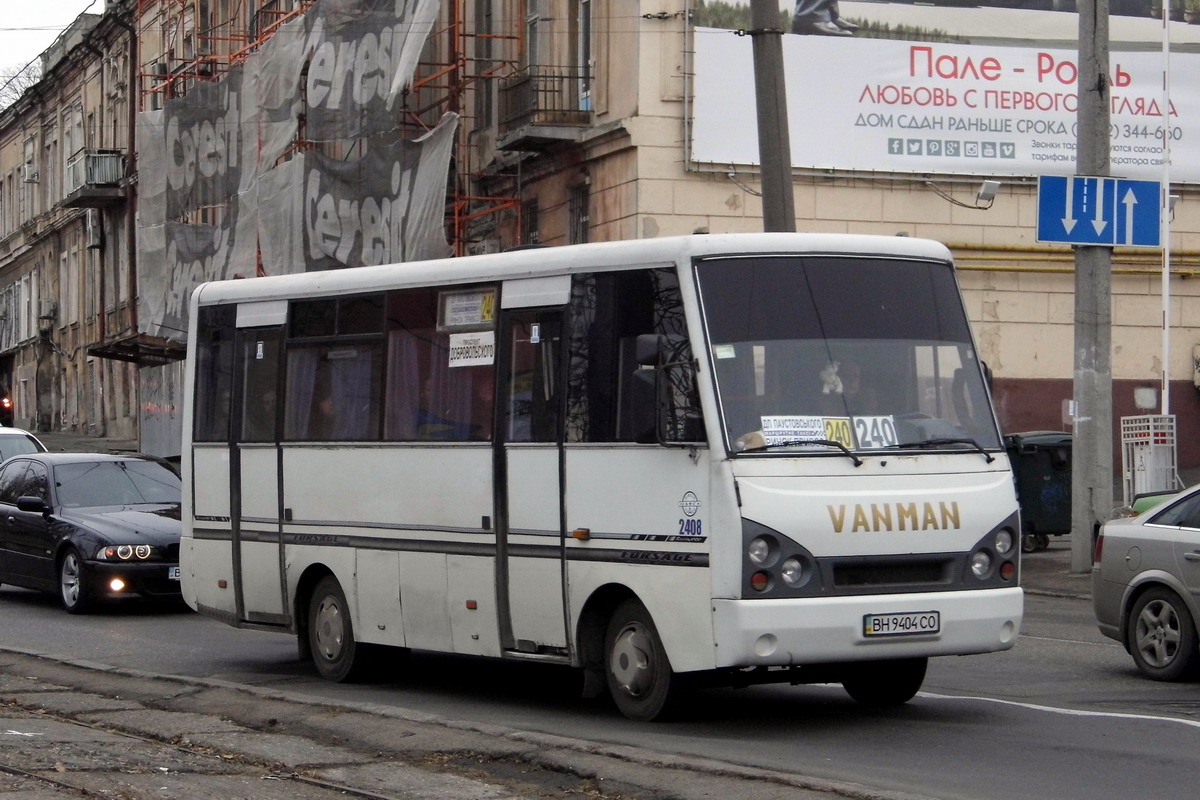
<point>844,390</point>
<point>860,396</point>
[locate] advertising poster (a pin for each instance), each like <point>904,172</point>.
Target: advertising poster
<point>953,94</point>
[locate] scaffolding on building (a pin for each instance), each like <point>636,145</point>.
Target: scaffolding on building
<point>193,47</point>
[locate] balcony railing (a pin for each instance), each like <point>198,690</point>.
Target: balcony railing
<point>540,105</point>
<point>94,178</point>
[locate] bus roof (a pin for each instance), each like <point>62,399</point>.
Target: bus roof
<point>554,260</point>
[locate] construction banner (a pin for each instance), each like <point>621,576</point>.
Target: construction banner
<point>232,185</point>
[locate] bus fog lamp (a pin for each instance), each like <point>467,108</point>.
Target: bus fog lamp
<point>792,572</point>
<point>981,564</point>
<point>1007,570</point>
<point>759,551</point>
<point>1004,542</point>
<point>760,581</point>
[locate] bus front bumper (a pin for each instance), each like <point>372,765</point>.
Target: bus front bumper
<point>826,630</point>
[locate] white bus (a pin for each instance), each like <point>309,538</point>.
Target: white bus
<point>732,459</point>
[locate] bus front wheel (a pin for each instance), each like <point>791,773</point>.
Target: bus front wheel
<point>330,634</point>
<point>885,683</point>
<point>639,674</point>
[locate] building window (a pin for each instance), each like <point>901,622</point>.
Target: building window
<point>583,50</point>
<point>533,16</point>
<point>529,223</point>
<point>483,49</point>
<point>577,209</point>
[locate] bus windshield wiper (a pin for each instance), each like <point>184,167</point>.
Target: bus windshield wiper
<point>799,442</point>
<point>974,445</point>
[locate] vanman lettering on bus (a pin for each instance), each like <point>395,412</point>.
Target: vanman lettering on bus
<point>879,517</point>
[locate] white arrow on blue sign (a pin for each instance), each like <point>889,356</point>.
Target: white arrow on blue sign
<point>1098,211</point>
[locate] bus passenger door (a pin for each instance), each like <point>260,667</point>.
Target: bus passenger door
<point>254,478</point>
<point>529,527</point>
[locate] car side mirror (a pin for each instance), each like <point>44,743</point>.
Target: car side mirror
<point>31,504</point>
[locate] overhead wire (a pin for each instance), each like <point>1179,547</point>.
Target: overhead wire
<point>21,71</point>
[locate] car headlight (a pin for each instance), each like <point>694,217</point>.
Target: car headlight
<point>125,552</point>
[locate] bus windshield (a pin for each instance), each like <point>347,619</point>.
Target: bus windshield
<point>862,352</point>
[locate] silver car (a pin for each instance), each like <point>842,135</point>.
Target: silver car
<point>1146,585</point>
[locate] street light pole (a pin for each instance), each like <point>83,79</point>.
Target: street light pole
<point>1092,457</point>
<point>774,145</point>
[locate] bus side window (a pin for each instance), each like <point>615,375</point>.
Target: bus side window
<point>214,373</point>
<point>427,397</point>
<point>333,393</point>
<point>533,389</point>
<point>609,311</point>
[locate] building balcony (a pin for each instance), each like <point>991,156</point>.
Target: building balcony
<point>542,106</point>
<point>94,179</point>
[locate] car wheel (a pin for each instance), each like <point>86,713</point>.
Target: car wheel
<point>1162,636</point>
<point>331,635</point>
<point>640,679</point>
<point>73,590</point>
<point>885,683</point>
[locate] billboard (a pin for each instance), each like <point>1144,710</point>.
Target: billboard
<point>946,105</point>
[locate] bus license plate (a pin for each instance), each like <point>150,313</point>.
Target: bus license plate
<point>172,573</point>
<point>912,623</point>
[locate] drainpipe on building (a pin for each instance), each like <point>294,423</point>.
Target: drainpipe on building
<point>131,196</point>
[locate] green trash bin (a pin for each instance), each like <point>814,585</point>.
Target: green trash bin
<point>1041,464</point>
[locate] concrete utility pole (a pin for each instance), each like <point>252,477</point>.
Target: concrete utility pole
<point>1092,457</point>
<point>774,143</point>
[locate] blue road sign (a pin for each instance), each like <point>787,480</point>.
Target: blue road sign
<point>1098,211</point>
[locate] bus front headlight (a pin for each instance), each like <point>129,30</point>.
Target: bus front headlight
<point>981,564</point>
<point>792,572</point>
<point>759,551</point>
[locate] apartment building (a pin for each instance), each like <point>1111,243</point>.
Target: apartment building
<point>65,214</point>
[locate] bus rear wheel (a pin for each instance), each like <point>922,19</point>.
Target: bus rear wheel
<point>639,674</point>
<point>885,683</point>
<point>331,635</point>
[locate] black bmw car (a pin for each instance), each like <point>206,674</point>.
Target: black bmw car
<point>90,526</point>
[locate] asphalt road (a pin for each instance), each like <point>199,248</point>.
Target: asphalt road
<point>1062,715</point>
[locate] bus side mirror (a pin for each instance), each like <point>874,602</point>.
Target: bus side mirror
<point>667,411</point>
<point>648,349</point>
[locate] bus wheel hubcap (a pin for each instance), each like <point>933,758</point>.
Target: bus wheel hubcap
<point>632,661</point>
<point>329,630</point>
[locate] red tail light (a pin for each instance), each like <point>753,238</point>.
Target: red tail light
<point>1098,551</point>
